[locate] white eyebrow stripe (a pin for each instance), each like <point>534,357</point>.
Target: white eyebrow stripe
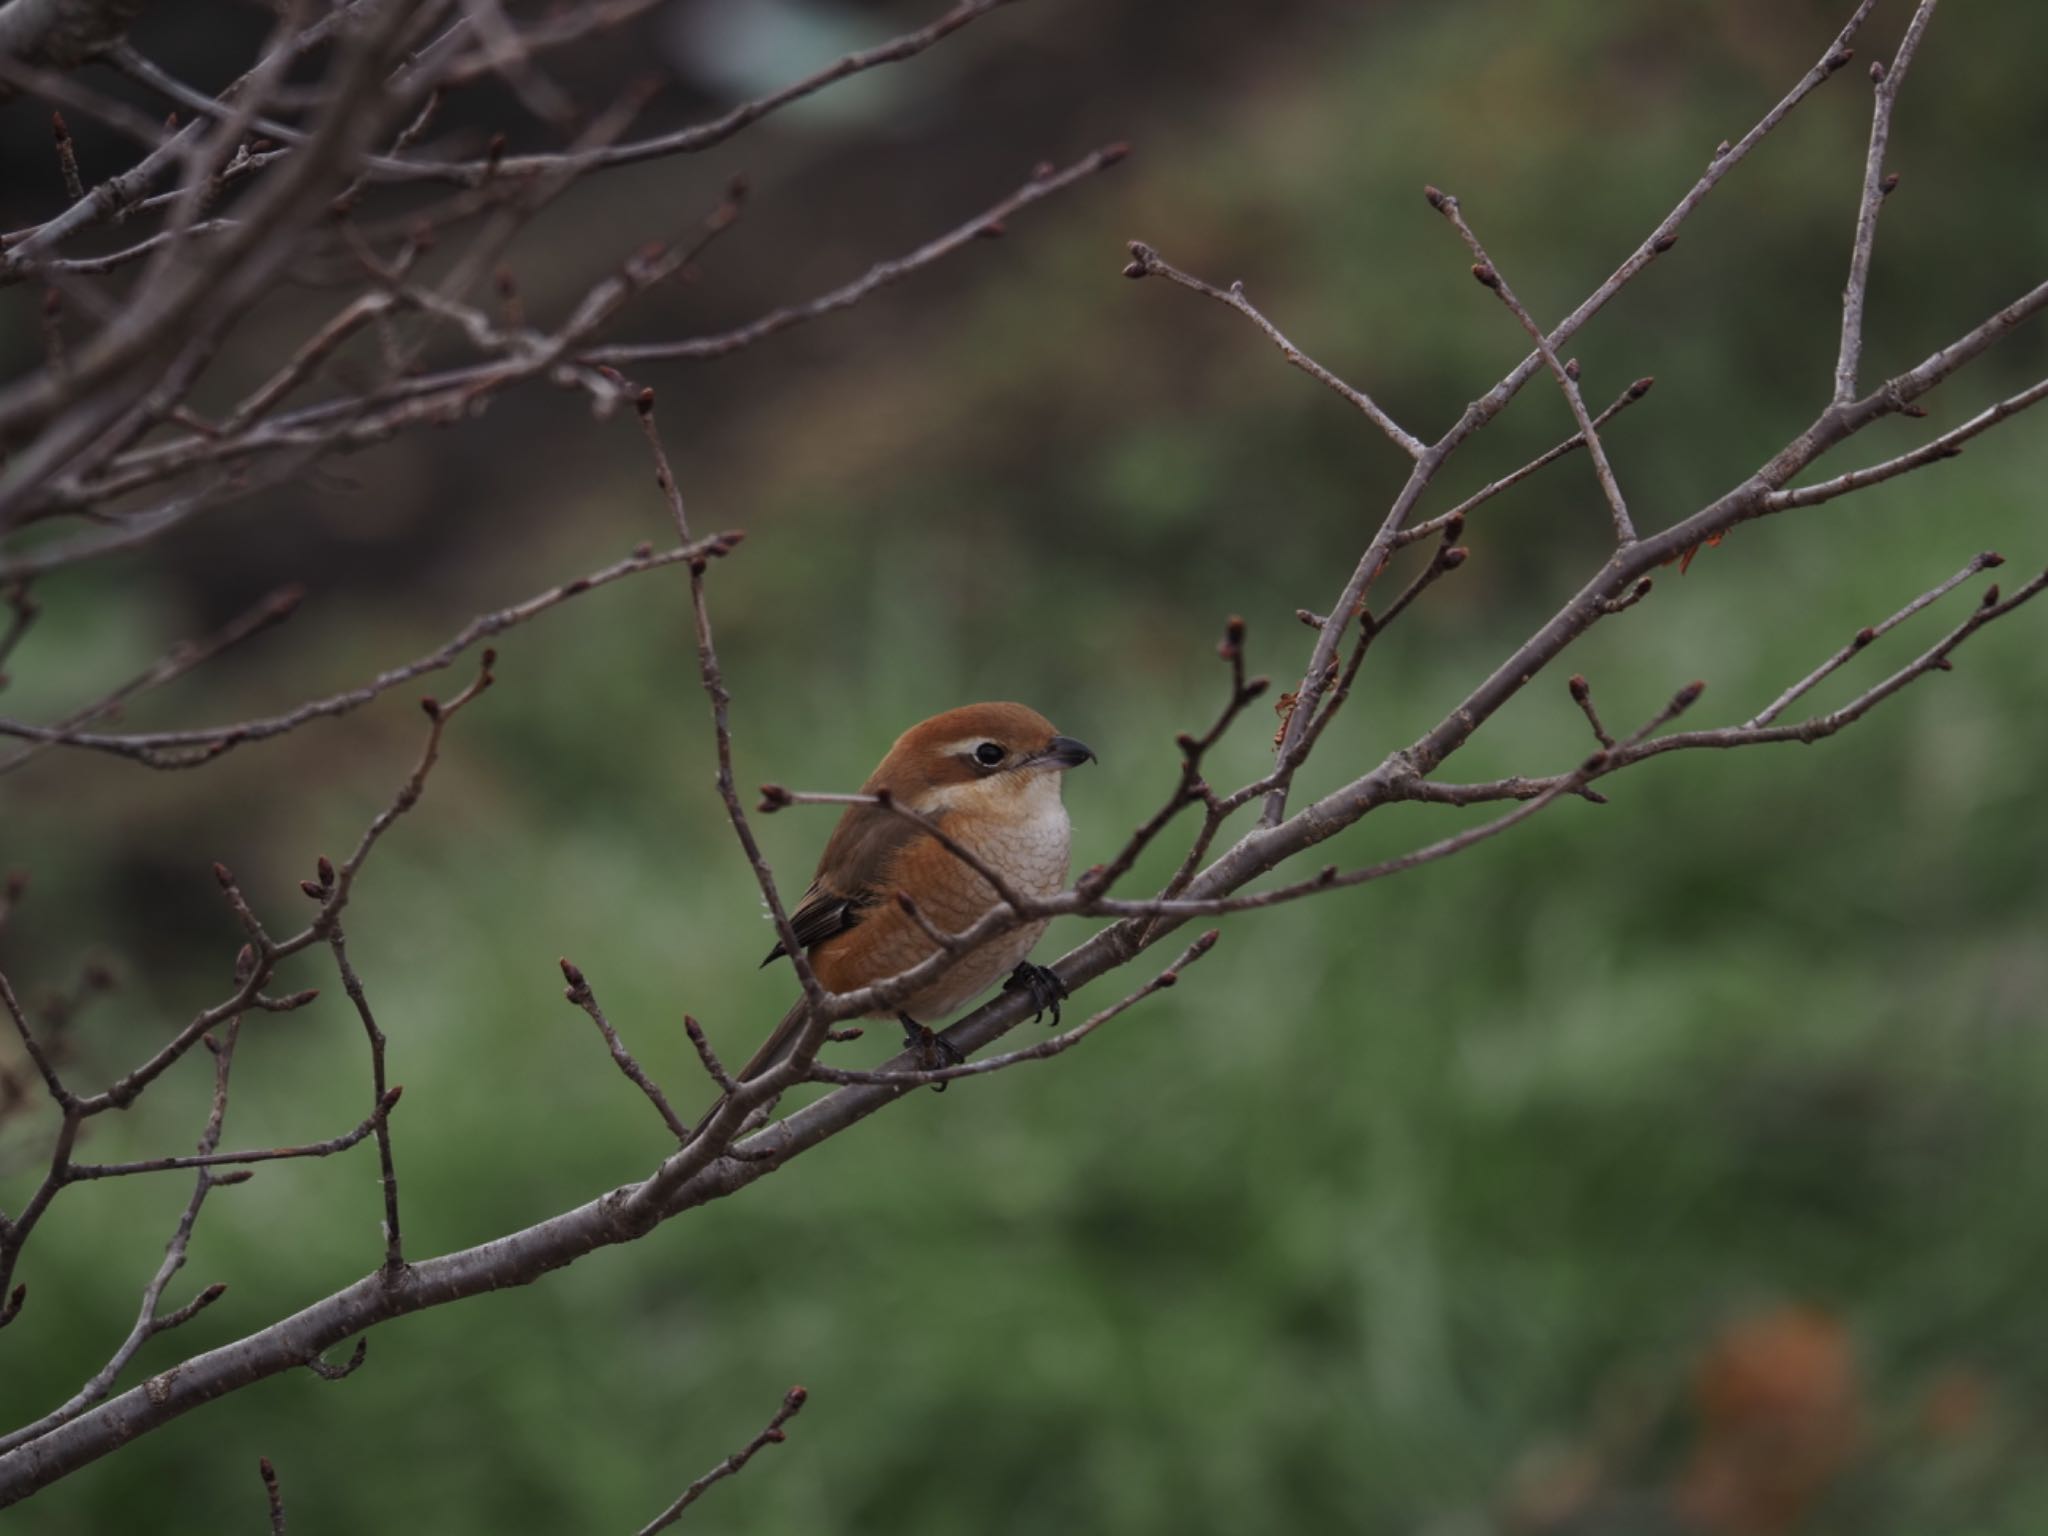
<point>964,746</point>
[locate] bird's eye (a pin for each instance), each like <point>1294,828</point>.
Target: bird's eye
<point>988,754</point>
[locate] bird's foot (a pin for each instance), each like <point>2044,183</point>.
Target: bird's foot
<point>933,1049</point>
<point>1044,985</point>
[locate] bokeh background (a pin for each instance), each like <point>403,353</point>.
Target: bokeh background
<point>1674,1164</point>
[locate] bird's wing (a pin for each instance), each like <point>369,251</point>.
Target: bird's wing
<point>852,874</point>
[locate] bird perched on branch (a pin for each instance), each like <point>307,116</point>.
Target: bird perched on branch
<point>986,775</point>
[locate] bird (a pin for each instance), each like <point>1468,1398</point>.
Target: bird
<point>989,776</point>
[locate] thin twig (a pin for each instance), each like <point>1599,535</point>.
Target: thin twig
<point>1946,446</point>
<point>1582,695</point>
<point>273,610</point>
<point>326,1148</point>
<point>792,1404</point>
<point>1146,262</point>
<point>580,994</point>
<point>190,747</point>
<point>713,681</point>
<point>1988,560</point>
<point>1876,188</point>
<point>1489,275</point>
<point>273,1494</point>
<point>149,1322</point>
<point>1464,509</point>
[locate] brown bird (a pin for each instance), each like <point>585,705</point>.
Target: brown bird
<point>989,774</point>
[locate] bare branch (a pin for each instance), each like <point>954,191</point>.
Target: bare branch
<point>580,994</point>
<point>714,690</point>
<point>1463,509</point>
<point>327,1148</point>
<point>148,1321</point>
<point>713,1067</point>
<point>1582,695</point>
<point>1489,405</point>
<point>1876,188</point>
<point>1489,276</point>
<point>189,748</point>
<point>273,1494</point>
<point>792,1404</point>
<point>1146,262</point>
<point>1984,562</point>
<point>1946,446</point>
<point>704,135</point>
<point>274,609</point>
<point>23,610</point>
<point>320,1367</point>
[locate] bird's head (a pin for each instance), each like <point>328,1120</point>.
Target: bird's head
<point>980,756</point>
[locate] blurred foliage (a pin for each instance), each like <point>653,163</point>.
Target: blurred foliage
<point>1457,1204</point>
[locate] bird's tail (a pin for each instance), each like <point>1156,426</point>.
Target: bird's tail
<point>777,1046</point>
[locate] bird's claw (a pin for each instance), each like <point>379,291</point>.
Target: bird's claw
<point>1044,985</point>
<point>934,1051</point>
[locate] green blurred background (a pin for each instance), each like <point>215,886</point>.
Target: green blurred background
<point>1536,1190</point>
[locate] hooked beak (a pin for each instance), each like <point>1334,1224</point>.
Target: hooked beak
<point>1067,752</point>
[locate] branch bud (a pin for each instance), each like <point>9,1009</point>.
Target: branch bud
<point>1877,72</point>
<point>1991,596</point>
<point>644,401</point>
<point>1687,696</point>
<point>1112,153</point>
<point>573,974</point>
<point>1641,387</point>
<point>1664,242</point>
<point>1436,197</point>
<point>316,892</point>
<point>774,798</point>
<point>224,875</point>
<point>1450,557</point>
<point>1889,185</point>
<point>1581,689</point>
<point>1488,278</point>
<point>1991,559</point>
<point>1862,638</point>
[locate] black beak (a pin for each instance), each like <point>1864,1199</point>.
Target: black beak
<point>1069,753</point>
